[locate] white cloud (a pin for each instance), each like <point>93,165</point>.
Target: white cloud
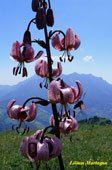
<point>54,58</point>
<point>88,59</point>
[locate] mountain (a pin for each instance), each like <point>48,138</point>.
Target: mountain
<point>98,98</point>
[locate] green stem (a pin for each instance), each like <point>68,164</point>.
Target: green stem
<point>30,24</point>
<point>54,108</point>
<point>59,31</point>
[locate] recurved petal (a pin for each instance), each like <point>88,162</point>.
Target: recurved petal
<point>37,135</point>
<point>41,68</point>
<point>24,147</point>
<point>52,147</point>
<point>80,91</point>
<point>57,71</point>
<point>74,123</point>
<point>32,149</point>
<point>51,120</point>
<point>77,42</point>
<point>69,39</point>
<point>15,51</point>
<point>32,112</point>
<point>54,91</point>
<point>56,43</point>
<point>67,95</point>
<point>35,58</point>
<point>44,69</point>
<point>14,111</point>
<point>75,92</point>
<point>10,104</point>
<point>38,66</point>
<point>58,146</point>
<point>63,41</point>
<point>43,151</point>
<point>62,127</point>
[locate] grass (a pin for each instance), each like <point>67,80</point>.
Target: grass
<point>90,143</point>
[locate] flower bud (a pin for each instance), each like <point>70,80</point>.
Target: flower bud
<point>35,5</point>
<point>50,17</point>
<point>40,18</point>
<point>27,37</point>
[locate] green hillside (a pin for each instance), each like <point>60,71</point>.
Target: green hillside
<point>96,120</point>
<point>89,143</point>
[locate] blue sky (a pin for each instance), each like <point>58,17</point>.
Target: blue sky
<point>90,19</point>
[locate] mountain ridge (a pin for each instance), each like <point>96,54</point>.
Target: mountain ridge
<point>98,99</point>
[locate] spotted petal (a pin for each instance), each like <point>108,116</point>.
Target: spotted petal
<point>15,51</point>
<point>13,110</point>
<point>52,147</point>
<point>56,42</point>
<point>24,147</point>
<point>57,71</point>
<point>58,146</point>
<point>77,42</point>
<point>69,39</point>
<point>80,91</point>
<point>35,58</point>
<point>32,112</point>
<point>43,151</point>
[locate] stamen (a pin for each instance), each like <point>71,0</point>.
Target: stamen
<point>61,59</point>
<point>17,69</point>
<point>20,69</point>
<point>14,68</point>
<point>40,85</point>
<point>46,83</point>
<point>24,72</point>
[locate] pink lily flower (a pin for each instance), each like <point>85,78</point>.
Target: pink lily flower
<point>27,55</point>
<point>29,148</point>
<point>41,69</point>
<point>36,150</point>
<point>60,92</point>
<point>68,43</point>
<point>17,112</point>
<point>67,125</point>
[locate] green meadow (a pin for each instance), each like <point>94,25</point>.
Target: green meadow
<point>91,144</point>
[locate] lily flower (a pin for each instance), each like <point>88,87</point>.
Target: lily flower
<point>35,150</point>
<point>60,92</point>
<point>66,44</point>
<point>41,69</point>
<point>66,125</point>
<point>17,112</point>
<point>27,55</point>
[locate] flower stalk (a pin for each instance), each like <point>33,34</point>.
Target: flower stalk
<point>54,108</point>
